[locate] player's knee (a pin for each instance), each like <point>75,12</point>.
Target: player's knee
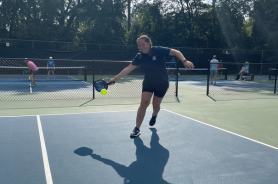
<point>145,103</point>
<point>156,106</point>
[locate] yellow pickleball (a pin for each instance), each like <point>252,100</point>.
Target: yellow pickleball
<point>103,92</point>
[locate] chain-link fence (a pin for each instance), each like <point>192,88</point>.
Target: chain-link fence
<point>228,55</point>
<point>69,83</point>
<point>260,81</point>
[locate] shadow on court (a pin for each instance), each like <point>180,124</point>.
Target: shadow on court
<point>147,169</point>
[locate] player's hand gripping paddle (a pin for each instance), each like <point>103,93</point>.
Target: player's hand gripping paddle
<point>101,84</point>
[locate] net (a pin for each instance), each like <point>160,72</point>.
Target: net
<point>272,73</point>
<point>258,83</point>
<point>197,74</point>
<point>19,74</point>
<point>73,83</point>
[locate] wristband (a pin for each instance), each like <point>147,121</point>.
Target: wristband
<point>184,60</point>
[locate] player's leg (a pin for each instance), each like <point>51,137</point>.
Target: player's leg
<point>145,101</point>
<point>215,74</point>
<point>48,74</point>
<point>156,105</point>
<point>159,93</point>
<point>53,74</point>
<point>240,74</point>
<point>156,108</point>
<point>32,78</point>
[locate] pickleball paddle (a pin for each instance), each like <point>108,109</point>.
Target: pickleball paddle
<point>102,84</point>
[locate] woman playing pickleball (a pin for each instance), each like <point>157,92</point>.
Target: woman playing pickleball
<point>156,82</point>
<point>33,68</point>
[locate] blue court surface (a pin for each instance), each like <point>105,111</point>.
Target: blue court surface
<point>21,84</point>
<point>96,148</point>
<point>228,84</point>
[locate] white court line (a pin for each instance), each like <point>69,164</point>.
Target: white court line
<point>66,114</point>
<point>31,89</point>
<point>44,154</point>
<point>165,110</point>
<point>224,130</point>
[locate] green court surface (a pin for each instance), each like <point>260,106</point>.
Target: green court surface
<point>254,118</point>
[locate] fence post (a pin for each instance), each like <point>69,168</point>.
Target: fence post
<point>93,73</point>
<point>275,83</point>
<point>208,73</point>
<point>262,61</point>
<point>177,79</point>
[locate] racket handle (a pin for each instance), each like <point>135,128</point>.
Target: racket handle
<point>112,82</point>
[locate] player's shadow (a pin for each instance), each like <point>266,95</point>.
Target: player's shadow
<point>147,169</point>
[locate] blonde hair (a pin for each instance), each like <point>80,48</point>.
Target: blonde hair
<point>148,40</point>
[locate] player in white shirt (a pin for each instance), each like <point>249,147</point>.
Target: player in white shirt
<point>213,69</point>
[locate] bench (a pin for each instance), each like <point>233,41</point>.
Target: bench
<point>249,77</point>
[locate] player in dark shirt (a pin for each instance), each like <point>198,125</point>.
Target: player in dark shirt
<point>156,82</point>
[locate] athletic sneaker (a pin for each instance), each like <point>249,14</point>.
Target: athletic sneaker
<point>152,121</point>
<point>135,132</point>
<point>33,84</point>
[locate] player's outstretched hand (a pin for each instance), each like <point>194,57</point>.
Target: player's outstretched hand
<point>112,81</point>
<point>188,65</point>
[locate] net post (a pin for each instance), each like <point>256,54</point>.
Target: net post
<point>208,73</point>
<point>226,74</point>
<point>275,83</point>
<point>177,80</point>
<point>93,73</point>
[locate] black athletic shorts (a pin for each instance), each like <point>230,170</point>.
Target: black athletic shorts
<point>35,72</point>
<point>159,89</point>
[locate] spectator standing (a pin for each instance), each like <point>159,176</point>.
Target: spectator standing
<point>213,69</point>
<point>50,67</point>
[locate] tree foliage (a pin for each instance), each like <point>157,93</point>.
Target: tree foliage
<point>249,24</point>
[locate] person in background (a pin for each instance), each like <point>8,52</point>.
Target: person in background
<point>32,68</point>
<point>247,64</point>
<point>156,81</point>
<point>213,69</point>
<point>50,67</point>
<point>244,71</point>
<point>172,65</point>
<point>220,66</point>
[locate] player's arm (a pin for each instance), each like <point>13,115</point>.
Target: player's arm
<point>29,67</point>
<point>123,73</point>
<point>180,56</point>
